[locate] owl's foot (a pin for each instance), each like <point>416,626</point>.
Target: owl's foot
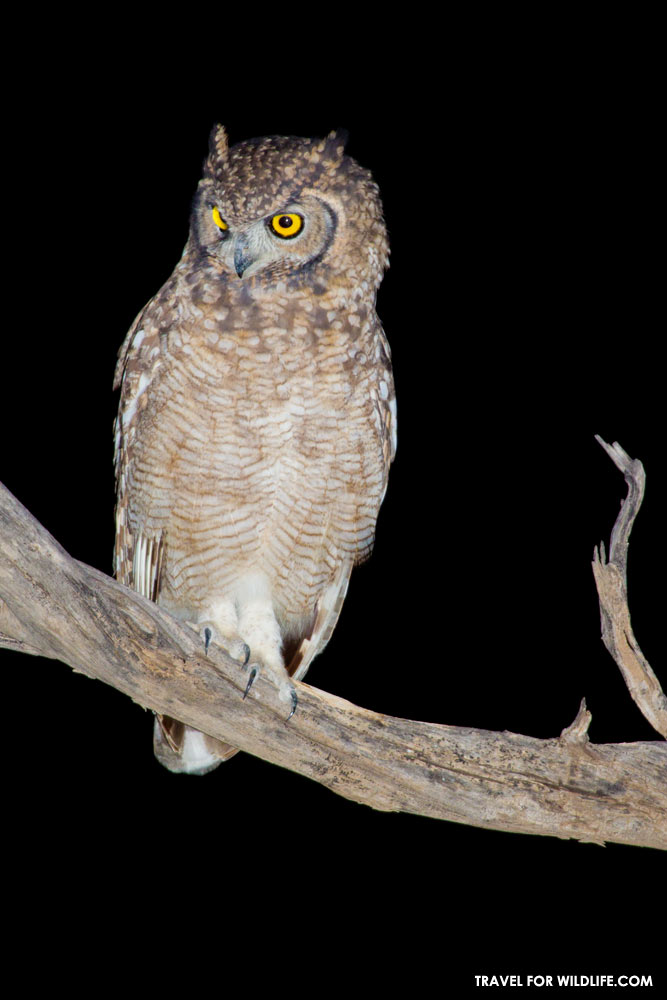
<point>286,689</point>
<point>234,647</point>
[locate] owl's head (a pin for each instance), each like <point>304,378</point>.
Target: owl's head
<point>284,208</point>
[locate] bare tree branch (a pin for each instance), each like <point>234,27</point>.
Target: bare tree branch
<point>611,582</point>
<point>56,607</point>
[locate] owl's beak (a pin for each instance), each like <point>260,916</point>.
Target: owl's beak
<point>242,258</point>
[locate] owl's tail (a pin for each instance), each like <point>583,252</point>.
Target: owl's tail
<point>185,750</point>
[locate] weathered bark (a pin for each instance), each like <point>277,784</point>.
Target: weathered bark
<point>611,581</point>
<point>54,606</point>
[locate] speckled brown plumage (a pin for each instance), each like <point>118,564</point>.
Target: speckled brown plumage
<point>257,416</point>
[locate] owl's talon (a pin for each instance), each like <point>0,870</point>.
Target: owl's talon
<point>253,674</point>
<point>245,654</point>
<point>286,690</point>
<point>207,637</point>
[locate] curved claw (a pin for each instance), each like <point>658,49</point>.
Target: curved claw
<point>207,640</point>
<point>292,692</point>
<point>295,702</point>
<point>253,674</point>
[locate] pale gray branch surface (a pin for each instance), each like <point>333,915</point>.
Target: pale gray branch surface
<point>611,581</point>
<point>56,607</point>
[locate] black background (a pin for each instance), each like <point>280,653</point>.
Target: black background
<point>522,309</point>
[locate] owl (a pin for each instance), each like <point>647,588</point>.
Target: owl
<point>257,417</point>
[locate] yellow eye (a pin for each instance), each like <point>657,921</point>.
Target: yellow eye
<point>218,219</point>
<point>287,224</point>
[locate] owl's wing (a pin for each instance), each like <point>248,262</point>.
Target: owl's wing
<point>140,562</point>
<point>386,398</point>
<point>330,603</point>
<point>139,559</point>
<point>326,615</point>
<point>126,347</point>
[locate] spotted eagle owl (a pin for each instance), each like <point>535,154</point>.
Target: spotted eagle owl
<point>257,418</point>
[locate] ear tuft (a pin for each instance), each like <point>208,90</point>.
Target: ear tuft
<point>218,147</point>
<point>333,147</point>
